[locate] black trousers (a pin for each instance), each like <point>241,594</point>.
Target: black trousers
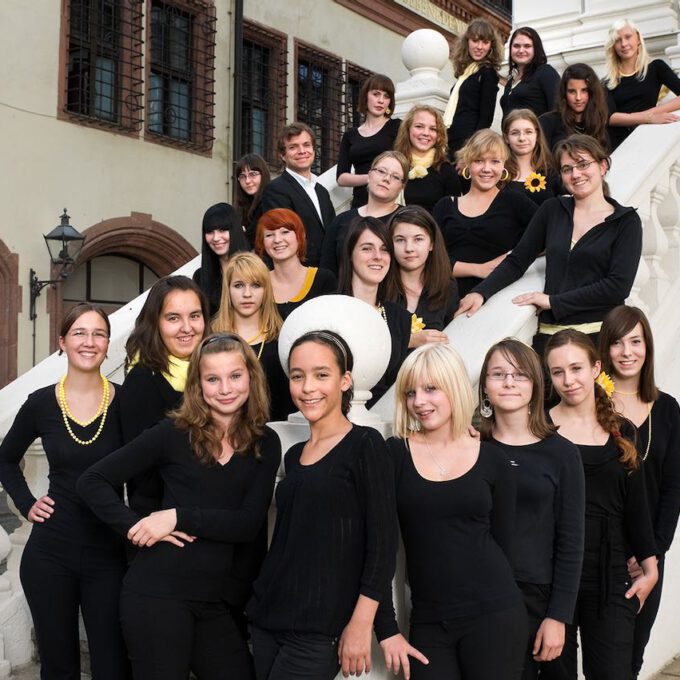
<point>57,581</point>
<point>606,638</point>
<point>168,638</point>
<point>480,648</point>
<point>294,656</point>
<point>645,620</point>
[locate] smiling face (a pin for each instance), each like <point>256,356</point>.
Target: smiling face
<point>412,246</point>
<point>280,244</point>
<point>423,131</point>
<point>572,374</point>
<point>250,180</point>
<point>429,405</point>
<point>218,241</point>
<point>181,323</point>
<point>370,259</point>
<point>582,176</point>
<point>522,50</point>
<point>577,95</point>
<point>316,381</point>
<point>299,153</point>
<point>377,102</point>
<point>628,354</point>
<point>522,137</point>
<point>246,296</point>
<point>627,44</point>
<point>86,342</point>
<point>486,172</point>
<point>507,387</point>
<point>478,48</point>
<point>225,383</point>
<point>386,180</point>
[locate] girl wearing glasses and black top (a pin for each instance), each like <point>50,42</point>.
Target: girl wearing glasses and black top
<point>550,496</point>
<point>252,173</point>
<point>218,462</point>
<point>592,248</point>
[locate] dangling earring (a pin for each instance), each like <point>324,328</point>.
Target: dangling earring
<point>486,409</point>
<point>388,112</point>
<point>466,169</point>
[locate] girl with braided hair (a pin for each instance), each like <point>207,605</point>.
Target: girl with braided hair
<point>617,520</point>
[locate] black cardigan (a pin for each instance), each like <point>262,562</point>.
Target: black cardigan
<point>537,93</point>
<point>583,282</point>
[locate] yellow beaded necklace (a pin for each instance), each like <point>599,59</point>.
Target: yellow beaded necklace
<point>66,412</point>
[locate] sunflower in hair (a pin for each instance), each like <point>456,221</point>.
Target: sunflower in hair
<point>606,383</point>
<point>535,182</point>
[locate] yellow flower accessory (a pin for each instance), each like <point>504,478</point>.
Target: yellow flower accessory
<point>535,182</point>
<point>606,383</point>
<point>417,324</point>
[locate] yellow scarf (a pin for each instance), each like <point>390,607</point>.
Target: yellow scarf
<point>420,162</point>
<point>176,374</point>
<point>451,107</point>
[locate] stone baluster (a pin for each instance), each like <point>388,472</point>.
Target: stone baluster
<point>637,295</point>
<point>654,247</point>
<point>669,216</point>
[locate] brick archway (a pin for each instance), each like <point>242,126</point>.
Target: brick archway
<point>10,306</point>
<point>139,237</point>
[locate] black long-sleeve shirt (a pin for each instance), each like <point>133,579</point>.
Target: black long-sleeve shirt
<point>553,187</point>
<point>221,505</point>
<point>457,535</point>
<point>476,106</point>
<point>632,95</point>
<point>483,237</point>
<point>549,523</point>
<point>437,318</point>
<point>335,538</point>
<point>537,93</point>
<point>662,468</point>
<point>438,183</point>
<point>360,152</point>
<point>583,282</point>
<point>72,523</point>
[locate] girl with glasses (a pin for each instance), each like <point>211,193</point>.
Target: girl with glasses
<point>252,176</point>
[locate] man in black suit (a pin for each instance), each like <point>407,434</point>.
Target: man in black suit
<point>297,188</point>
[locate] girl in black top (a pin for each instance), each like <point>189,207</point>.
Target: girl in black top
<point>386,180</point>
<point>456,502</point>
<point>423,284</point>
<point>252,175</point>
<point>71,560</point>
<point>218,463</point>
<point>550,495</point>
<point>532,82</point>
<point>332,554</point>
<point>481,227</point>
<point>281,235</point>
<point>592,248</point>
<point>627,349</point>
<point>222,237</point>
<point>634,83</point>
<point>167,330</point>
<point>248,308</point>
<point>422,139</point>
<point>365,266</point>
<point>581,108</point>
<point>360,145</point>
<point>617,524</point>
<point>530,164</point>
<point>476,60</point>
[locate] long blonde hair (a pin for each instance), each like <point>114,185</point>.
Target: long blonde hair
<point>250,268</point>
<point>194,416</point>
<point>613,63</point>
<point>402,143</point>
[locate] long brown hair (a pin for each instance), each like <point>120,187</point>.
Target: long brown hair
<point>607,417</point>
<point>402,143</point>
<point>619,322</point>
<point>247,425</point>
<point>523,358</point>
<point>478,29</point>
<point>246,204</point>
<point>540,156</point>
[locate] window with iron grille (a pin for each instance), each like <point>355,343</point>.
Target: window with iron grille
<point>263,91</point>
<point>355,80</point>
<point>320,81</point>
<point>181,64</point>
<point>103,79</point>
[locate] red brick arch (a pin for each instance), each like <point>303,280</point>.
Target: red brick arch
<point>139,237</point>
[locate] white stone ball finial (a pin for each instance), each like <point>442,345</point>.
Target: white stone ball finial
<point>425,49</point>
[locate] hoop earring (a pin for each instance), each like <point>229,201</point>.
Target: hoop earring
<point>507,175</point>
<point>465,169</point>
<point>486,409</point>
<point>388,112</point>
